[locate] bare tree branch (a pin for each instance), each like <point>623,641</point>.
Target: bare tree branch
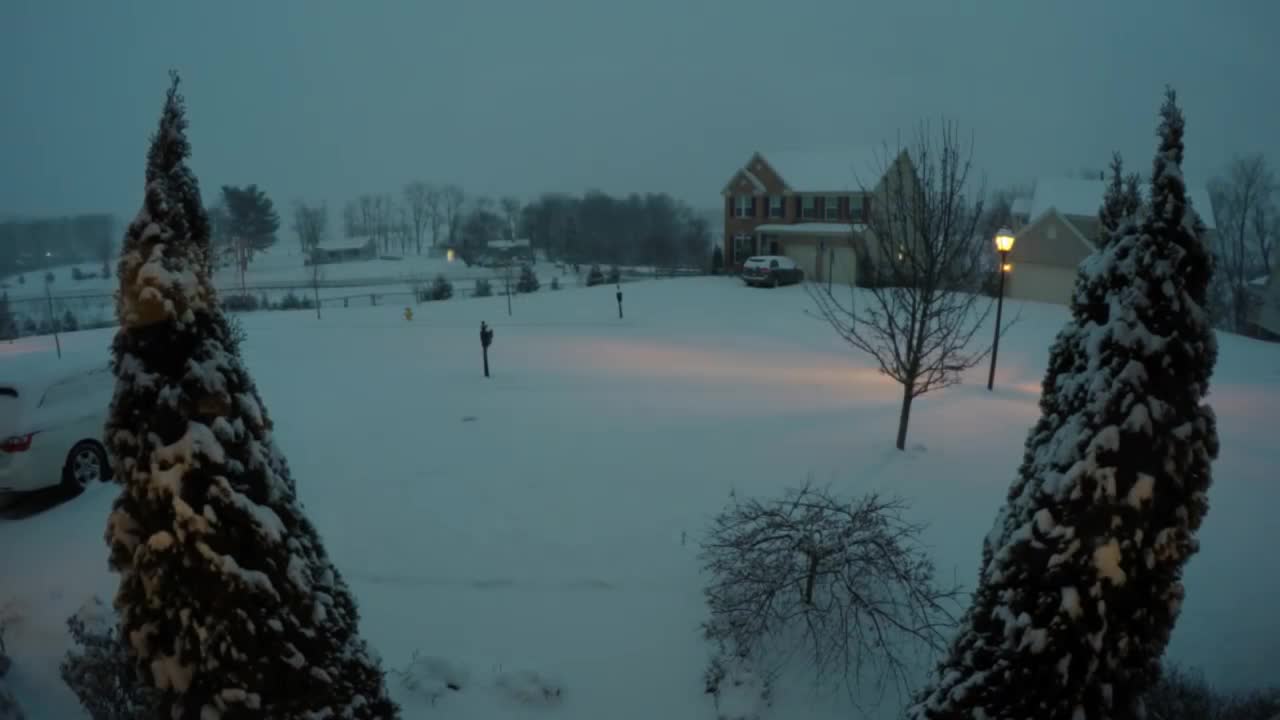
<point>843,582</point>
<point>923,251</point>
<point>1243,202</point>
<point>417,200</point>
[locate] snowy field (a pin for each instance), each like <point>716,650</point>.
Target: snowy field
<point>534,521</point>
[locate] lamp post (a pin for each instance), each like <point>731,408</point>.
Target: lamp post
<point>1004,243</point>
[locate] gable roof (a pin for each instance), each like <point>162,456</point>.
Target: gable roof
<point>744,172</point>
<point>1075,197</point>
<point>1036,221</point>
<point>830,170</point>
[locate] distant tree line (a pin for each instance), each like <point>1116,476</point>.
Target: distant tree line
<point>28,245</point>
<point>651,229</point>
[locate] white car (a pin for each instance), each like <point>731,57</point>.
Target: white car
<point>51,428</point>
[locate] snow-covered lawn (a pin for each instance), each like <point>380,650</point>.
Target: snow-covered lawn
<point>542,526</point>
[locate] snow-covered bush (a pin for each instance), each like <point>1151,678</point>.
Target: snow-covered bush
<point>483,288</point>
<point>739,691</point>
<point>429,678</point>
<point>239,303</point>
<point>555,283</point>
<point>292,301</point>
<point>595,276</point>
<point>77,274</point>
<point>441,288</point>
<point>1081,575</point>
<point>229,601</point>
<point>69,322</point>
<point>100,671</point>
<point>528,281</point>
<point>529,688</point>
<point>615,276</point>
<point>844,583</point>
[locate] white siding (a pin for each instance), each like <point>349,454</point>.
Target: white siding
<point>1042,283</point>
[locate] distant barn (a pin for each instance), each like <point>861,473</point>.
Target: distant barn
<point>352,249</point>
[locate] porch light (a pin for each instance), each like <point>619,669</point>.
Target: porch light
<point>1007,267</point>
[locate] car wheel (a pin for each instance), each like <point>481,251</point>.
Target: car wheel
<point>86,464</point>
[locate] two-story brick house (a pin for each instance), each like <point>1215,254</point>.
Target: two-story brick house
<point>809,206</point>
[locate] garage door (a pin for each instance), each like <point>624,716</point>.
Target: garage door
<point>844,265</point>
<point>805,255</point>
<point>1042,283</point>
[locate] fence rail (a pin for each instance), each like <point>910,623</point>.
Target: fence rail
<point>85,310</point>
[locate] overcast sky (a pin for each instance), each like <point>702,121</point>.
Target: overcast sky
<point>326,99</point>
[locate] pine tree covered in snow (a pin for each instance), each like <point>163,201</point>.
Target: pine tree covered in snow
<point>1122,201</point>
<point>1080,583</point>
<point>227,598</point>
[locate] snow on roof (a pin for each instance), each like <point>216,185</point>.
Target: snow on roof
<point>833,170</point>
<point>759,186</point>
<point>811,229</point>
<point>351,243</point>
<point>1077,197</point>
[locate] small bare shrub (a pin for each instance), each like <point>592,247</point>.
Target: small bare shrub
<point>843,583</point>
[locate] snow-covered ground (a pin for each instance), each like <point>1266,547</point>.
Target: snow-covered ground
<point>534,522</point>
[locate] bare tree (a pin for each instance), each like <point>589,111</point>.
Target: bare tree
<point>847,581</point>
<point>317,277</point>
<point>1243,210</point>
<point>511,212</point>
<point>923,307</point>
<point>351,219</point>
<point>435,212</point>
<point>368,215</point>
<point>454,197</point>
<point>417,201</point>
<point>310,223</point>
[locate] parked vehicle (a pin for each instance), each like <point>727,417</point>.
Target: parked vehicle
<point>771,271</point>
<point>51,430</point>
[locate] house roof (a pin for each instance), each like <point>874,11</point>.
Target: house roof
<point>1075,197</point>
<point>830,170</point>
<point>811,229</point>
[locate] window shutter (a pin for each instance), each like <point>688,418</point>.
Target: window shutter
<point>728,206</point>
<point>753,206</point>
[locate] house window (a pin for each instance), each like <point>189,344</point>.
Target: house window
<point>743,207</point>
<point>809,207</point>
<point>831,208</point>
<point>775,206</point>
<point>855,209</point>
<point>743,248</point>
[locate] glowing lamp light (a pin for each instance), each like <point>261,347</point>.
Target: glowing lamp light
<point>1004,240</point>
<point>449,255</point>
<point>1007,267</point>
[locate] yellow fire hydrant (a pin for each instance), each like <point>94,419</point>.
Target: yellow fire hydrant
<point>408,313</point>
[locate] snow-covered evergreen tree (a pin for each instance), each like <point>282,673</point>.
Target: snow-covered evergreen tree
<point>1080,583</point>
<point>1122,201</point>
<point>227,598</point>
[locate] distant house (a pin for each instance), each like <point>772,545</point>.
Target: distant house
<point>809,206</point>
<point>505,250</point>
<point>1057,227</point>
<point>352,249</point>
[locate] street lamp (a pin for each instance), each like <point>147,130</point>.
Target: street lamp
<point>1004,243</point>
